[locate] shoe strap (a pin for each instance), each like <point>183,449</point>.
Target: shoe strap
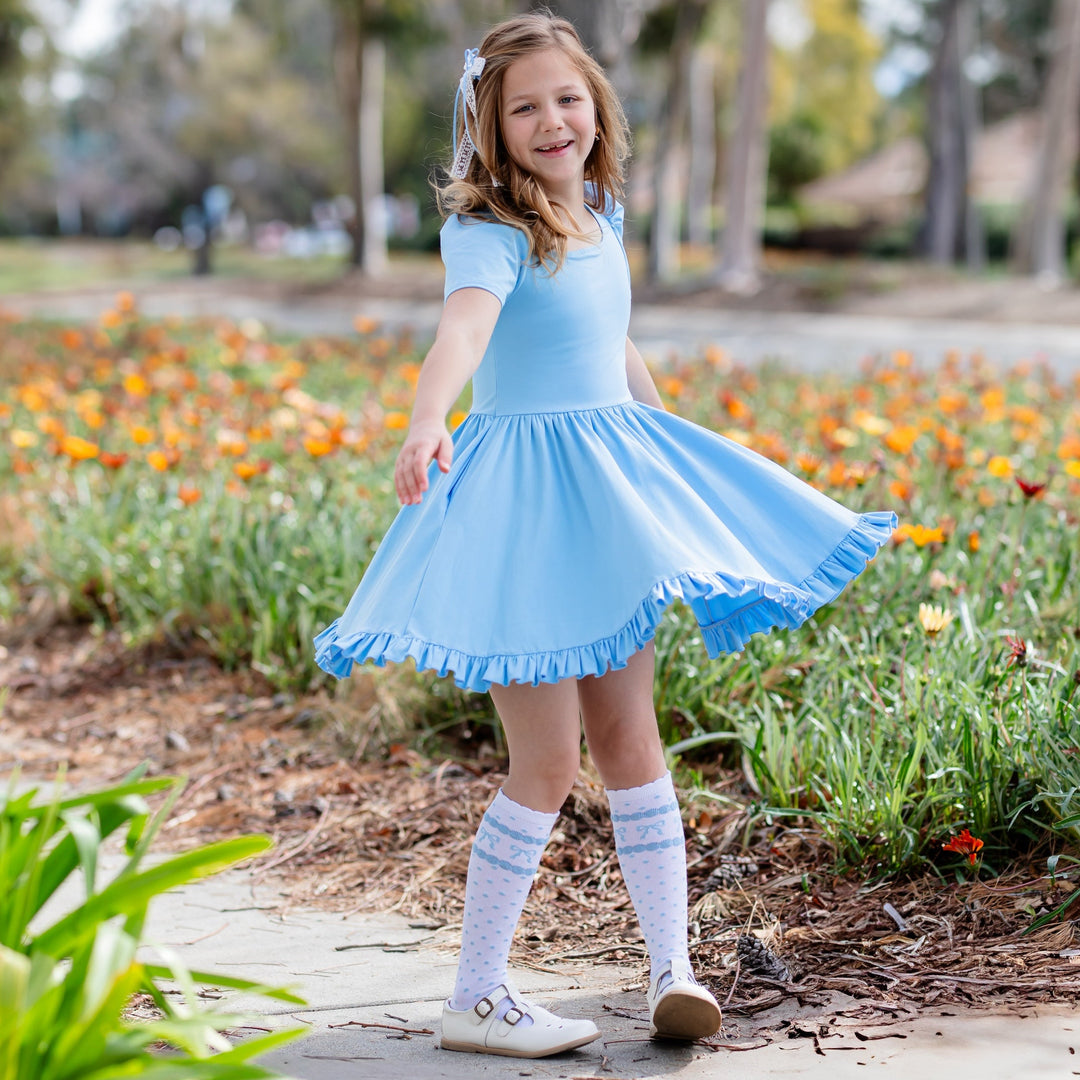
<point>487,1005</point>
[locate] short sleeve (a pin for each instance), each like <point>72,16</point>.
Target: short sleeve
<point>614,213</point>
<point>613,209</point>
<point>481,255</point>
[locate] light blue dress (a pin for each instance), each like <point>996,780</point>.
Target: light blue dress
<point>572,515</point>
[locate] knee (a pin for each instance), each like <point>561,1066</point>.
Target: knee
<point>544,782</point>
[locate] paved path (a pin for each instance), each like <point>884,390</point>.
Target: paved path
<point>807,341</point>
<point>372,968</point>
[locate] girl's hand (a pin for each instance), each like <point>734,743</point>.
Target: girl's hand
<point>425,442</point>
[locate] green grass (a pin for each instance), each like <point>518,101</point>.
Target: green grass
<point>884,737</point>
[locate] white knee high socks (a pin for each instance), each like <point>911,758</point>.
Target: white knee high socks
<point>652,853</point>
<point>505,855</point>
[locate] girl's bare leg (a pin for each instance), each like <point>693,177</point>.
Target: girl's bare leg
<point>620,726</point>
<point>543,733</point>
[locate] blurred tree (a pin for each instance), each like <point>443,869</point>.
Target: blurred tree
<point>744,203</point>
<point>684,19</point>
<point>26,57</point>
<point>1040,241</point>
<point>951,227</point>
<point>178,104</point>
<point>824,107</point>
<point>366,29</point>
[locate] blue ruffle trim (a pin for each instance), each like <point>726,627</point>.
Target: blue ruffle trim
<point>769,606</point>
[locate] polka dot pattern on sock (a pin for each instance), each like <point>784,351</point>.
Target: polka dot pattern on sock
<point>652,853</point>
<point>503,862</point>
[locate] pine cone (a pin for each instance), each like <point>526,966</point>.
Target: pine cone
<point>757,958</point>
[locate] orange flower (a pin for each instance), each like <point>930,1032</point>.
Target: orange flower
<point>396,421</point>
<point>365,324</point>
<point>964,844</point>
<point>136,385</point>
<point>973,541</point>
<point>457,418</point>
<point>111,319</point>
<point>809,463</point>
<point>112,461</point>
<point>125,302</point>
<point>72,339</point>
<point>671,385</point>
<point>49,425</point>
<point>901,489</point>
<point>919,535</point>
<point>245,470</point>
<point>162,460</point>
<point>901,439</point>
<point>317,447</point>
<point>141,435</point>
<point>78,449</point>
<point>410,373</point>
<point>1069,448</point>
<point>188,494</point>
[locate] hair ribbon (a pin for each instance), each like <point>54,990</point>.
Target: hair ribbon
<point>463,151</point>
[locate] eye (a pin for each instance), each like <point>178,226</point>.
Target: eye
<point>522,108</point>
<point>567,98</point>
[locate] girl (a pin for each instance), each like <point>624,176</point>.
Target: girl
<point>539,544</point>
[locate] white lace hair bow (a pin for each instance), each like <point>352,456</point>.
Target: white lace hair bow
<point>464,150</point>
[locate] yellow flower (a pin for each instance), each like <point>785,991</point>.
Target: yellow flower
<point>457,418</point>
<point>999,466</point>
<point>396,421</point>
<point>1073,469</point>
<point>24,439</point>
<point>934,619</point>
<point>317,447</point>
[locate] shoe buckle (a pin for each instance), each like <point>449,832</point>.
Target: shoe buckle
<point>485,1013</point>
<point>513,1015</point>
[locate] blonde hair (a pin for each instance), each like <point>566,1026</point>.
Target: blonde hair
<point>494,184</point>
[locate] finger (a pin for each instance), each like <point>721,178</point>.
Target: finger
<point>445,453</point>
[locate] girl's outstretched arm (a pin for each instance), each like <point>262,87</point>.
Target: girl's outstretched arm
<point>464,330</point>
<point>641,381</point>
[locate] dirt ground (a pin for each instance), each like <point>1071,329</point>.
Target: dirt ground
<point>366,823</point>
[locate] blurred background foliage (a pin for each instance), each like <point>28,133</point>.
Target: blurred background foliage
<point>117,117</point>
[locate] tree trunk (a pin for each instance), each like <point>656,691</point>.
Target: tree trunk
<point>347,59</point>
<point>701,173</point>
<point>1039,244</point>
<point>372,169</point>
<point>663,260</point>
<point>740,244</point>
<point>952,112</point>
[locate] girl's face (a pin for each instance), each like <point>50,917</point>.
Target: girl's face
<point>548,121</point>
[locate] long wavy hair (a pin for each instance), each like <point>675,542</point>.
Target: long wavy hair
<point>494,185</point>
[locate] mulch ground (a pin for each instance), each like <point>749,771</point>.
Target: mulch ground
<point>363,824</point>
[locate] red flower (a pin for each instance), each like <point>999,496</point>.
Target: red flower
<point>964,844</point>
<point>1017,651</point>
<point>1030,490</point>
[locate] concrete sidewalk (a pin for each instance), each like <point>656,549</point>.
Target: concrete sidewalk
<point>369,969</point>
<point>803,341</point>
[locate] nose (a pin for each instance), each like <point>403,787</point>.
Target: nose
<point>551,118</point>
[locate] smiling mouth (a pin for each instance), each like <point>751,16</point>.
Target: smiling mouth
<point>553,148</point>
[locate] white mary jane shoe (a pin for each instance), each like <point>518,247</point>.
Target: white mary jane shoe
<point>479,1031</point>
<point>678,1007</point>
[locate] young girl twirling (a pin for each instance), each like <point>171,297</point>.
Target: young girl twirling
<point>538,545</point>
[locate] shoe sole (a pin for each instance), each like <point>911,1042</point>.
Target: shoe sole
<point>685,1016</point>
<point>468,1048</point>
